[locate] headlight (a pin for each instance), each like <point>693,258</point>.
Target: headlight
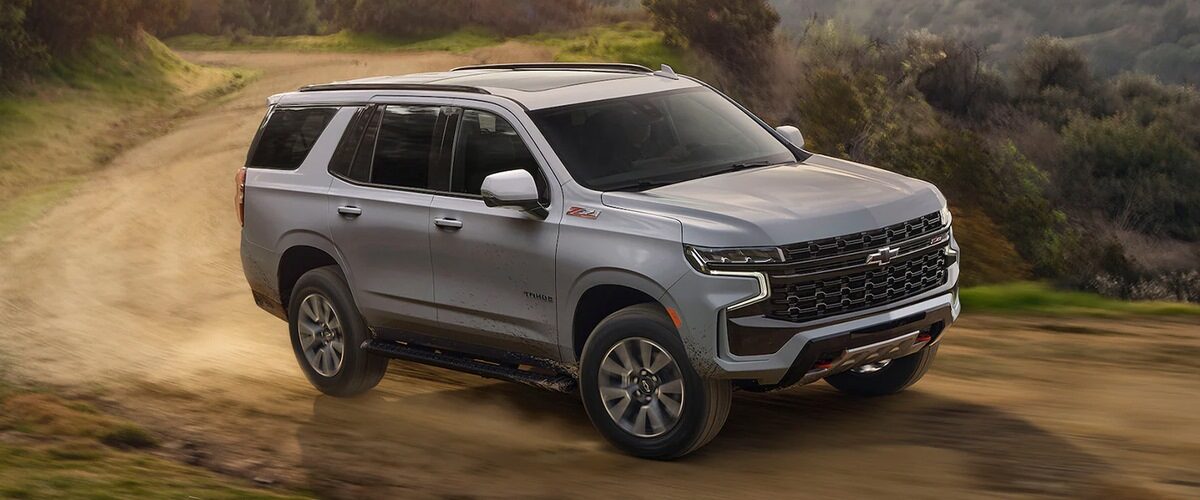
<point>946,217</point>
<point>755,255</point>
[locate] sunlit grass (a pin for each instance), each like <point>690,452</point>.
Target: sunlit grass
<point>625,42</point>
<point>1040,298</point>
<point>84,110</point>
<point>343,41</point>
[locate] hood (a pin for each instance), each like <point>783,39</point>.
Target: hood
<point>784,204</point>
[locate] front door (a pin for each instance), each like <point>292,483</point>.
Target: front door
<point>493,267</point>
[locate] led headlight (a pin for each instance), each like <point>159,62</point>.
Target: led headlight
<point>946,217</point>
<point>755,255</point>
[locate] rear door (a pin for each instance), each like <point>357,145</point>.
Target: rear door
<point>381,203</point>
<point>494,267</point>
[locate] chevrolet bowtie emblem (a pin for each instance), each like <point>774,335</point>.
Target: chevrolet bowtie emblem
<point>883,256</point>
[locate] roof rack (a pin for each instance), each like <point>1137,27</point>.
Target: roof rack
<point>392,86</point>
<point>633,68</point>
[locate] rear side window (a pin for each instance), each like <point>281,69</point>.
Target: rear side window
<point>404,150</point>
<point>288,136</point>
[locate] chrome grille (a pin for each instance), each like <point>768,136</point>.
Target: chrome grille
<point>863,289</point>
<point>875,238</point>
<point>832,276</point>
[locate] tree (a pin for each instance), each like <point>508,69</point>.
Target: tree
<point>19,52</point>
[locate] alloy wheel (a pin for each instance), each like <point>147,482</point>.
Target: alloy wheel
<point>641,387</point>
<point>322,339</point>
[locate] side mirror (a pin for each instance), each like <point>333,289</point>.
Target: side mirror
<point>792,134</point>
<point>513,189</point>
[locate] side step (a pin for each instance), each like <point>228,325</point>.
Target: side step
<point>558,382</point>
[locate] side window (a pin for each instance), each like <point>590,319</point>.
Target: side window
<point>360,168</point>
<point>405,146</point>
<point>288,136</point>
<point>344,154</point>
<point>488,144</point>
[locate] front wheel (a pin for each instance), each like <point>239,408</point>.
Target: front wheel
<point>885,377</point>
<point>327,334</point>
<point>641,392</point>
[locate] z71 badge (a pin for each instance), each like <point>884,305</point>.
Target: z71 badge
<point>586,213</point>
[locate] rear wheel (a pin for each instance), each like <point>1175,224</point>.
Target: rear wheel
<point>641,392</point>
<point>327,334</point>
<point>885,377</point>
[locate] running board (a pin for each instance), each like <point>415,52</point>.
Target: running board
<point>461,362</point>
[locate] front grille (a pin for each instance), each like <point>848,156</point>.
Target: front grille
<point>831,276</point>
<point>874,238</point>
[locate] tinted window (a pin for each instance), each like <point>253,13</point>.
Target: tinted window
<point>360,169</point>
<point>288,136</point>
<point>344,154</point>
<point>487,144</point>
<point>403,151</point>
<point>639,142</point>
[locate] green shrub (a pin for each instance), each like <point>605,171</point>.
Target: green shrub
<point>129,436</point>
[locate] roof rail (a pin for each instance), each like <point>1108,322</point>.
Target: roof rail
<point>581,66</point>
<point>392,86</point>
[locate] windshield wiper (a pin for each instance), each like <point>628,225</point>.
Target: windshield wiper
<point>742,166</point>
<point>641,185</point>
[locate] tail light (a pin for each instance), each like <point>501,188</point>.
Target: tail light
<point>239,199</point>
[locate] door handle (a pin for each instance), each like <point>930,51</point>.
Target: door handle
<point>448,223</point>
<point>349,211</point>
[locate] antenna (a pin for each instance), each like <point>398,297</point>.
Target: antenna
<point>666,72</point>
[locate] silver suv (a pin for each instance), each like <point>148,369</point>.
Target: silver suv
<point>634,235</point>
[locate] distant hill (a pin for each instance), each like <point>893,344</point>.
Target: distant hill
<point>1160,37</point>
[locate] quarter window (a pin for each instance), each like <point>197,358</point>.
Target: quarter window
<point>339,163</point>
<point>288,136</point>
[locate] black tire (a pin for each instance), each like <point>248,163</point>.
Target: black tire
<point>895,377</point>
<point>360,371</point>
<point>705,402</point>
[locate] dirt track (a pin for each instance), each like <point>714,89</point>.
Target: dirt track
<point>132,290</point>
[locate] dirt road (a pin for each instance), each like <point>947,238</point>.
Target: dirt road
<point>131,290</point>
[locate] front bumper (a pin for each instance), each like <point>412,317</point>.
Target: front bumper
<point>699,297</point>
<point>813,354</point>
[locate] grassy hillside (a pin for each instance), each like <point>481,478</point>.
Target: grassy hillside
<point>52,447</point>
<point>625,42</point>
<point>1041,299</point>
<point>75,118</point>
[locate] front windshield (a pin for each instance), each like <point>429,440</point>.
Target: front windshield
<point>645,141</point>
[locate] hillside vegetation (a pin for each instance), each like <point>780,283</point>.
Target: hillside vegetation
<point>52,447</point>
<point>1158,37</point>
<point>84,108</point>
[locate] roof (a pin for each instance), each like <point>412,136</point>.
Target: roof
<point>535,86</point>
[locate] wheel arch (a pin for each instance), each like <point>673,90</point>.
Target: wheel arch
<point>305,252</point>
<point>598,294</point>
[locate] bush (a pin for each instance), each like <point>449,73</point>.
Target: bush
<point>1143,178</point>
<point>1053,79</point>
<point>737,34</point>
<point>951,76</point>
<point>129,436</point>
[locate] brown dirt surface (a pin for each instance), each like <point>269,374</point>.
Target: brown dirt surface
<point>130,294</point>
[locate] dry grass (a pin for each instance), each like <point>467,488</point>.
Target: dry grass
<point>73,122</point>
